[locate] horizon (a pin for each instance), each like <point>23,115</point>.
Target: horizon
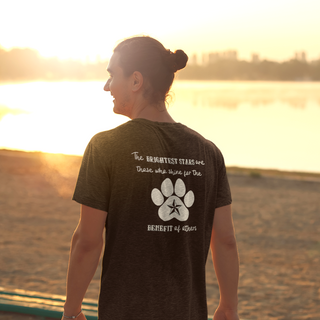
<point>298,55</point>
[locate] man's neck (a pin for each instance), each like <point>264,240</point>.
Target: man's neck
<point>156,113</point>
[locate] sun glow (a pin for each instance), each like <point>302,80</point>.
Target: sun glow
<point>53,123</point>
<point>73,29</point>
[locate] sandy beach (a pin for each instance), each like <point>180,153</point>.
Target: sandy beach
<point>276,217</point>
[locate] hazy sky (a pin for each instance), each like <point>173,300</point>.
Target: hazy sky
<point>67,28</point>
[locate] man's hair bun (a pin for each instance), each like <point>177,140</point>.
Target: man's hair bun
<point>176,60</point>
<point>181,59</point>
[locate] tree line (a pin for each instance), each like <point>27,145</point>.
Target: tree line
<point>27,65</point>
<point>24,64</point>
<point>292,70</point>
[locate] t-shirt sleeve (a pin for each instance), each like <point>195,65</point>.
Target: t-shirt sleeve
<point>223,190</point>
<point>93,184</point>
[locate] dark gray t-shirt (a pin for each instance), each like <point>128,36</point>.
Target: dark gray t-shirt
<point>160,184</point>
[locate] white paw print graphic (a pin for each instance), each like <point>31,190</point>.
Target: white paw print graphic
<point>173,207</point>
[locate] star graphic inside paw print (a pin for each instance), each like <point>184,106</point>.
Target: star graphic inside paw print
<point>174,207</point>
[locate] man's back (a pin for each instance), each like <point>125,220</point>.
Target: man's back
<point>160,184</point>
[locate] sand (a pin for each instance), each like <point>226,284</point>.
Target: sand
<point>276,218</point>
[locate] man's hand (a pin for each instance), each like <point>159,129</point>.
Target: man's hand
<point>80,317</point>
<point>226,263</point>
<point>225,314</point>
<point>86,246</point>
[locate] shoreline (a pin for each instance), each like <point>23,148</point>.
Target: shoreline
<point>276,220</point>
<point>233,170</point>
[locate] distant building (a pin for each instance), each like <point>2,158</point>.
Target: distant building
<point>300,56</point>
<point>212,57</point>
<point>255,58</point>
<point>193,59</point>
<point>205,58</point>
<point>230,55</point>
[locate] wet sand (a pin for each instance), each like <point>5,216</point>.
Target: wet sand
<point>276,217</point>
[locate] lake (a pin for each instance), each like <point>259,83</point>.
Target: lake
<point>274,125</point>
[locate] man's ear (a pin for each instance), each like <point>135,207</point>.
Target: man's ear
<point>137,81</point>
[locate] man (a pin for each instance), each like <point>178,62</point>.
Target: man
<point>160,191</point>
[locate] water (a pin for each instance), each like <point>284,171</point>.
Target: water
<point>255,124</point>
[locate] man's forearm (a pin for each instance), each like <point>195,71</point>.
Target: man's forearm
<point>226,263</point>
<point>83,263</point>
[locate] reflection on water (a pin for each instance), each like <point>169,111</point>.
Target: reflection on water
<point>60,117</point>
<point>4,110</point>
<point>231,94</point>
<point>255,124</point>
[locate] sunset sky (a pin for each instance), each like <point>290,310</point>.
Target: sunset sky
<point>67,28</point>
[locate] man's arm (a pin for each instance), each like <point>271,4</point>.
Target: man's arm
<point>86,246</point>
<point>226,263</point>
